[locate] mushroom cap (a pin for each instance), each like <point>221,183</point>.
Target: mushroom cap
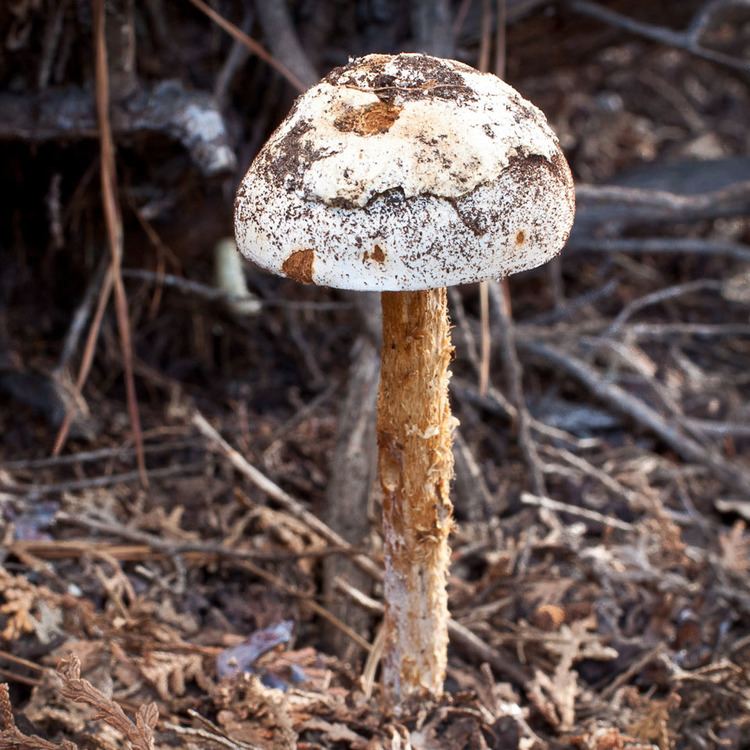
<point>405,172</point>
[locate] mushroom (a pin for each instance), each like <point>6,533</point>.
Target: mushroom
<point>405,174</point>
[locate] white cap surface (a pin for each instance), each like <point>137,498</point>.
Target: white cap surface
<point>406,172</point>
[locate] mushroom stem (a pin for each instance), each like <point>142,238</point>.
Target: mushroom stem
<point>416,465</point>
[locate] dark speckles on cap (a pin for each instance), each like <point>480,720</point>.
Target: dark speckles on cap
<point>293,151</point>
<point>419,76</point>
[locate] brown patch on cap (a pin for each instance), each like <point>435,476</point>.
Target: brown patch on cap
<point>377,254</point>
<point>520,237</point>
<point>299,266</point>
<point>370,119</point>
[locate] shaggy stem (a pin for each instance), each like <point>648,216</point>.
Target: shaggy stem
<point>416,465</point>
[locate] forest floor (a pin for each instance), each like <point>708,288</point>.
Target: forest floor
<point>605,607</point>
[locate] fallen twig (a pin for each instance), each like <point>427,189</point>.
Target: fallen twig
<point>234,62</point>
<point>81,317</point>
<point>113,221</point>
<point>206,737</point>
<point>214,294</point>
<point>575,510</point>
<point>687,40</point>
<point>662,245</point>
<point>182,548</point>
<point>257,49</point>
<point>587,468</point>
<point>461,320</point>
<point>661,295</point>
<point>74,485</point>
<point>353,468</point>
<point>630,205</point>
<point>500,297</point>
<point>669,330</point>
<point>122,453</point>
<point>289,503</point>
<point>87,358</point>
<point>636,409</point>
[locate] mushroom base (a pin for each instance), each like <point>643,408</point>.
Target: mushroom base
<point>416,465</point>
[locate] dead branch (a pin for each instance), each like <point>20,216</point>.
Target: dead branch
<point>81,317</point>
<point>636,409</point>
<point>574,305</point>
<point>458,315</point>
<point>630,205</point>
<point>661,295</point>
<point>721,429</point>
<point>119,37</point>
<point>474,497</point>
<point>52,33</point>
<point>122,453</point>
<point>234,62</point>
<point>495,403</point>
<point>283,40</point>
<point>107,480</point>
<point>575,510</point>
<point>689,40</point>
<point>587,468</point>
<point>500,297</point>
<point>306,600</point>
<point>214,294</point>
<point>635,358</point>
<point>88,356</point>
<point>189,117</point>
<point>669,330</point>
<point>255,48</point>
<point>173,549</point>
<point>662,246</point>
<point>485,337</point>
<point>207,737</point>
<point>52,397</point>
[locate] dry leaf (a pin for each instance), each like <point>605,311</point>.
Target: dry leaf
<point>250,712</point>
<point>338,733</point>
<point>653,726</point>
<point>140,735</point>
<point>11,738</point>
<point>555,696</point>
<point>169,672</point>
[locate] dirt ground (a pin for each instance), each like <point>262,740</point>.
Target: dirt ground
<point>194,562</point>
